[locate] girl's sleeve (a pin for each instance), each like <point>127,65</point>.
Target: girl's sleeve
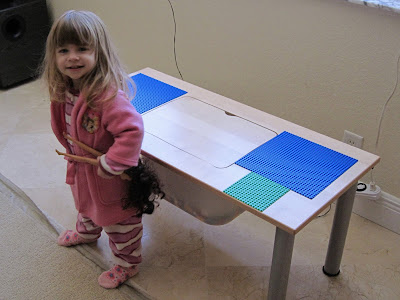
<point>125,124</point>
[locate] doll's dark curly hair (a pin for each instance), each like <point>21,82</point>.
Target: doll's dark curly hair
<point>144,189</point>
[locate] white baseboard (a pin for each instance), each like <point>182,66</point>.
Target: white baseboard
<point>384,211</point>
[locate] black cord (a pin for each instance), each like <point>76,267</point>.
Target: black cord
<point>176,62</point>
<point>326,212</point>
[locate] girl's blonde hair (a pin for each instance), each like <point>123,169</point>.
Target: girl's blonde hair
<point>107,77</point>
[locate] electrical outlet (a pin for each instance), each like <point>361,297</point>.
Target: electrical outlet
<point>353,139</point>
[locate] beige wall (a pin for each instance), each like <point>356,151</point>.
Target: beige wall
<point>328,65</point>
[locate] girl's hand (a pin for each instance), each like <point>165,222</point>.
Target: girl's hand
<point>102,172</point>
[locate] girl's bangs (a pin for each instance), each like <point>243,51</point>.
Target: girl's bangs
<point>70,32</point>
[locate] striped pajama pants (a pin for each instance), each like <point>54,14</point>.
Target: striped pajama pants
<point>124,238</point>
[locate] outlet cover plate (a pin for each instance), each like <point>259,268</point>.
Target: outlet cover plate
<point>353,139</point>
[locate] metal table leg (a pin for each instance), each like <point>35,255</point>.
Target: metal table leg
<point>280,268</point>
<point>340,226</point>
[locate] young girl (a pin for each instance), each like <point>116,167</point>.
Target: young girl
<point>88,91</point>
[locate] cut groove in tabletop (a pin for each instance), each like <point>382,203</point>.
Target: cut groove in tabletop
<point>205,131</point>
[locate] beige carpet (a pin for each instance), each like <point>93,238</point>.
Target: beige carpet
<point>33,266</point>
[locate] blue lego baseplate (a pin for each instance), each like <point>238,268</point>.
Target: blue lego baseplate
<point>151,93</point>
<point>296,163</point>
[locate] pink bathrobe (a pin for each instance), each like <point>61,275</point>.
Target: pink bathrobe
<point>116,129</point>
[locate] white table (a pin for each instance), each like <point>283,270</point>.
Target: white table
<point>193,142</point>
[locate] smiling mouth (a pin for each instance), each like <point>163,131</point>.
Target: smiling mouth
<point>75,67</point>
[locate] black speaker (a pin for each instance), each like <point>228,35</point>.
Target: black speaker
<point>24,26</point>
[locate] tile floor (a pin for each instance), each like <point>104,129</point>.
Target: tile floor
<point>185,258</point>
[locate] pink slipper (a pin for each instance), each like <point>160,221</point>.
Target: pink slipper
<point>116,276</point>
<point>70,238</point>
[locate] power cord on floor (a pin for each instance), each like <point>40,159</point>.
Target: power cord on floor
<point>173,16</point>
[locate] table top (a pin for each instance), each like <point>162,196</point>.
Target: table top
<point>201,134</point>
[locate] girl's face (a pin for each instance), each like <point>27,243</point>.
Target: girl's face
<point>75,61</point>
